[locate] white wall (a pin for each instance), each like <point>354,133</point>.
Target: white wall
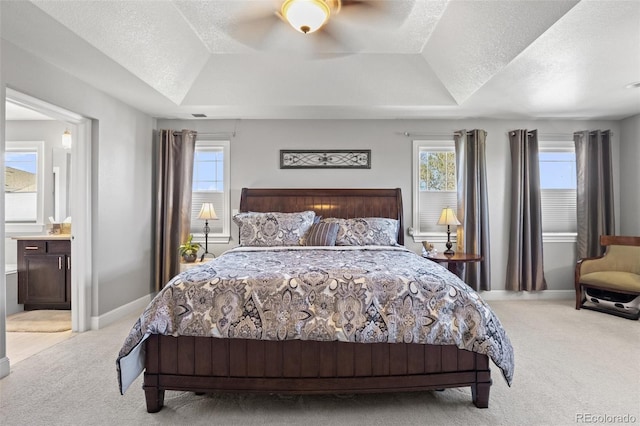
<point>255,163</point>
<point>630,176</point>
<point>4,361</point>
<point>121,175</point>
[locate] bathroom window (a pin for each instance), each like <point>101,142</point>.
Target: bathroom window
<point>24,186</point>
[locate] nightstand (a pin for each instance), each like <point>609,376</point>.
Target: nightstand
<point>455,261</point>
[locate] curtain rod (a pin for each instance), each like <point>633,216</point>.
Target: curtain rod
<point>432,135</point>
<point>207,134</point>
<point>565,136</point>
<point>439,135</point>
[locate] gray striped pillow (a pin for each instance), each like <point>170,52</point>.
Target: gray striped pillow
<point>321,234</point>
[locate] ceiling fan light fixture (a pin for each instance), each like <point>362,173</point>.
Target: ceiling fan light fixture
<point>306,16</point>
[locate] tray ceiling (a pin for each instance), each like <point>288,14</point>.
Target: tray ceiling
<point>457,58</point>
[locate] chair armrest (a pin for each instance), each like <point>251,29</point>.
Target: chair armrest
<point>581,262</point>
<point>601,263</point>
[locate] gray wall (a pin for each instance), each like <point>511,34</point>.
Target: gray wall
<point>255,163</point>
<point>121,175</point>
<point>630,176</point>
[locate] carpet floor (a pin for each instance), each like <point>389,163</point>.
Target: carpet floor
<point>40,321</point>
<point>572,367</point>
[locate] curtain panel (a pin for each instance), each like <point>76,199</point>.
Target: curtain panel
<point>595,210</point>
<point>173,181</point>
<point>525,271</point>
<point>473,211</point>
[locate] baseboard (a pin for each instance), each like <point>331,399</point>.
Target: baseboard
<point>114,315</point>
<point>5,368</point>
<point>528,295</point>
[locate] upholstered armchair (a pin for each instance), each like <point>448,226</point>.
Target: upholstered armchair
<point>611,280</point>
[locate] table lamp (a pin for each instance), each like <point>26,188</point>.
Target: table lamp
<point>448,217</point>
<point>207,212</point>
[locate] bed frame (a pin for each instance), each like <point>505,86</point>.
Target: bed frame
<point>204,364</point>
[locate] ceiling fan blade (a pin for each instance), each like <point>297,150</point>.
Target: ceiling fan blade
<point>330,41</point>
<point>388,14</point>
<point>254,30</point>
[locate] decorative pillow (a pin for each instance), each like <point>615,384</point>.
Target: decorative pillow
<point>321,234</point>
<point>273,229</point>
<point>366,231</point>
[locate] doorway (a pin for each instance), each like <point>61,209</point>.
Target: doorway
<point>78,201</point>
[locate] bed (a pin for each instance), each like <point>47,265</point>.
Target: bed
<point>381,319</point>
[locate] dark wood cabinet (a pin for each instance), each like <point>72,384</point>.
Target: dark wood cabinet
<point>44,274</point>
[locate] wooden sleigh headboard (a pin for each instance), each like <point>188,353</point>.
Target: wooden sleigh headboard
<point>342,203</point>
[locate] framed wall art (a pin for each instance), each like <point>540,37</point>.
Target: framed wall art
<point>325,159</point>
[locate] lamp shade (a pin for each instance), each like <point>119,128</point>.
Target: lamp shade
<point>306,16</point>
<point>207,212</point>
<point>66,139</point>
<point>448,217</point>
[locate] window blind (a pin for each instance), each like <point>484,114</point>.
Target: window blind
<point>558,210</point>
<point>431,205</point>
<point>217,198</point>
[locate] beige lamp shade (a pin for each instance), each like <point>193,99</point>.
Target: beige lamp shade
<point>448,217</point>
<point>207,212</point>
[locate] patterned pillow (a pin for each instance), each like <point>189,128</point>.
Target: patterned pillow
<point>366,231</point>
<point>273,229</point>
<point>321,234</point>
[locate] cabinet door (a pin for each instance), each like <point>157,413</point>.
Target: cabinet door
<point>46,279</point>
<point>68,280</point>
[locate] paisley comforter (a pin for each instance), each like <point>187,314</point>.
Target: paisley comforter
<point>351,294</point>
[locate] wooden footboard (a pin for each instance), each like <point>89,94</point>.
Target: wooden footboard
<point>202,364</point>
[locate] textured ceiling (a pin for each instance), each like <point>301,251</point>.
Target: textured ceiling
<point>417,59</point>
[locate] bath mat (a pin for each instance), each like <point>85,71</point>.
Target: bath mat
<point>40,321</point>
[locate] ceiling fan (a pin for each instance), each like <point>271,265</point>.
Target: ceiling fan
<point>319,21</point>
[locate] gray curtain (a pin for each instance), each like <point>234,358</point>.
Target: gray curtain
<point>594,190</point>
<point>173,178</point>
<point>525,271</point>
<point>473,211</point>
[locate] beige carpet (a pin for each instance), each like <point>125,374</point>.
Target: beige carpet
<point>40,321</point>
<point>572,367</point>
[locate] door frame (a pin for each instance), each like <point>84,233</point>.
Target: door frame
<point>80,204</point>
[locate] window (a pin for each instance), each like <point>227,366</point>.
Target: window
<point>558,186</point>
<point>24,186</point>
<point>211,185</point>
<point>434,185</point>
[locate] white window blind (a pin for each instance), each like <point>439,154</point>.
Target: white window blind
<point>217,198</point>
<point>431,205</point>
<point>558,210</point>
<point>558,186</point>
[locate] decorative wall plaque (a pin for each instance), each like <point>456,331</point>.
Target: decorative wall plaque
<point>325,159</point>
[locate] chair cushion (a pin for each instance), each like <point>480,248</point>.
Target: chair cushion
<point>613,280</point>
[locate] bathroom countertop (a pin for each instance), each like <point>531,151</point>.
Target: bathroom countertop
<point>44,237</point>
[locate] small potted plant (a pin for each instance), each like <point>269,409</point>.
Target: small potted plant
<point>189,250</point>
